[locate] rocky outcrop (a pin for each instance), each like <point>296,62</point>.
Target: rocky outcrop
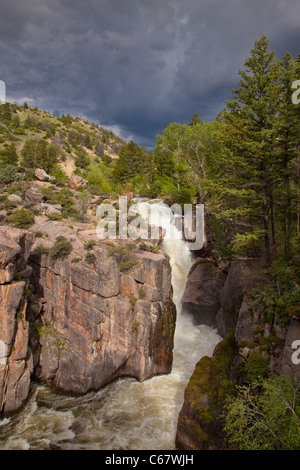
<point>241,277</point>
<point>95,322</point>
<point>201,295</point>
<point>41,175</point>
<point>254,338</point>
<point>76,182</point>
<point>199,426</point>
<point>80,321</point>
<point>15,355</point>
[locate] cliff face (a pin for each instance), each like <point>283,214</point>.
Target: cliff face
<point>15,355</point>
<point>86,321</point>
<point>245,330</point>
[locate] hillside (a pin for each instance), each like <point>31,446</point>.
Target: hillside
<point>79,147</point>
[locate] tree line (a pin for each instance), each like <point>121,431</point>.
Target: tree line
<point>244,165</point>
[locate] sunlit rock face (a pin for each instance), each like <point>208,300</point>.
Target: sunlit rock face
<point>95,322</point>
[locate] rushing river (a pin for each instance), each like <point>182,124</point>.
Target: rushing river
<point>125,415</point>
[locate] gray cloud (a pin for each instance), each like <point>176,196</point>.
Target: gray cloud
<point>136,64</point>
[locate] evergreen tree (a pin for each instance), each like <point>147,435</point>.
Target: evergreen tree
<point>29,153</point>
<point>129,162</point>
<point>250,134</point>
<point>42,150</point>
<point>11,157</point>
<point>287,150</point>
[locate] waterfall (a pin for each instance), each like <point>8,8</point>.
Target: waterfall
<point>124,415</point>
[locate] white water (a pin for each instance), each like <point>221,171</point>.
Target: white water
<point>125,415</point>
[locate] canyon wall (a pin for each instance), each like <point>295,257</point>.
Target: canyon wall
<point>80,321</point>
<point>16,363</point>
<point>218,294</point>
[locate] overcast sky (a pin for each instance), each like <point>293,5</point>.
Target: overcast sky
<point>136,65</point>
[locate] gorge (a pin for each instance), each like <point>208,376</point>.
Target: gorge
<point>126,414</point>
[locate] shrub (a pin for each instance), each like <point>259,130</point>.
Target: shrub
<point>133,301</point>
<point>257,366</point>
<point>8,174</point>
<point>63,197</point>
<point>127,264</point>
<point>61,248</point>
<point>142,293</point>
<point>21,218</point>
<point>264,416</point>
<point>38,234</point>
<point>17,189</point>
<point>89,245</point>
<point>90,258</point>
<point>122,255</point>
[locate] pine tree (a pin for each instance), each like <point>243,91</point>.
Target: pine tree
<point>287,148</point>
<point>129,162</point>
<point>42,151</point>
<point>11,156</point>
<point>29,153</point>
<point>250,135</point>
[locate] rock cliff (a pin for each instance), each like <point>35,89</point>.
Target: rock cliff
<point>222,296</point>
<point>82,320</point>
<point>16,363</point>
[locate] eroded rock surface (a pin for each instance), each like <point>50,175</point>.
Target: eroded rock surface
<point>95,322</point>
<point>15,354</point>
<point>80,321</point>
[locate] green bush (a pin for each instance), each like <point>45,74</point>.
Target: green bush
<point>90,258</point>
<point>127,264</point>
<point>123,257</point>
<point>41,249</point>
<point>21,218</point>
<point>8,174</point>
<point>257,366</point>
<point>63,197</point>
<point>61,248</point>
<point>89,245</point>
<point>264,416</point>
<point>142,293</point>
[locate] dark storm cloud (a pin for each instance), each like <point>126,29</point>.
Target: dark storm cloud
<point>136,64</point>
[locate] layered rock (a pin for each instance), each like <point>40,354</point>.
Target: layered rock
<point>15,354</point>
<point>93,322</point>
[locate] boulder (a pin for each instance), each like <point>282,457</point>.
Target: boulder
<point>49,209</point>
<point>15,198</point>
<point>33,197</point>
<point>41,175</point>
<point>76,182</point>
